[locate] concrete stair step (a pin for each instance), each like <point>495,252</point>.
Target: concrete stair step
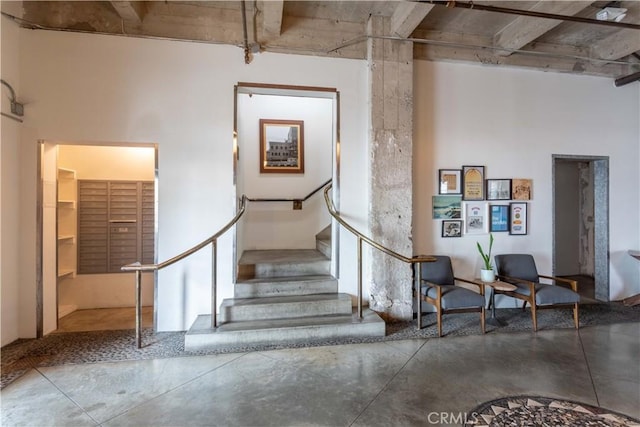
<point>323,241</point>
<point>283,307</point>
<point>270,332</point>
<point>282,262</point>
<point>324,247</point>
<point>283,286</point>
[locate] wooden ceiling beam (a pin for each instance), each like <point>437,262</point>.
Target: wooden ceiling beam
<point>523,30</point>
<point>407,16</point>
<point>618,45</point>
<point>130,11</point>
<point>548,57</point>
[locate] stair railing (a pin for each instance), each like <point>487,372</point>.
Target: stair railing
<point>297,203</point>
<point>139,268</point>
<point>361,237</point>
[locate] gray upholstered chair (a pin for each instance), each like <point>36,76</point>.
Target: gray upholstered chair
<point>439,289</point>
<point>520,270</point>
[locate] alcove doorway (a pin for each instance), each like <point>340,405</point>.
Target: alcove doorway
<point>581,223</point>
<point>99,213</point>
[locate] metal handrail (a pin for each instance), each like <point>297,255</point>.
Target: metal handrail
<point>139,268</point>
<point>361,237</point>
<point>292,200</point>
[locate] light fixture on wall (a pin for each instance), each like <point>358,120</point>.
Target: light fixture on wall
<point>16,107</point>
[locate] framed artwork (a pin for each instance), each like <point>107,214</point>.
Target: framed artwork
<point>281,146</point>
<point>473,182</point>
<point>446,207</point>
<point>521,189</point>
<point>452,228</point>
<point>476,217</point>
<point>517,218</point>
<point>499,215</point>
<point>450,181</point>
<point>498,189</point>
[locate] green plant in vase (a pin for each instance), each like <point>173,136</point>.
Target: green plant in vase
<point>486,274</point>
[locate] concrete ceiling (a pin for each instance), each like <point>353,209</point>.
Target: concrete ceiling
<point>441,31</point>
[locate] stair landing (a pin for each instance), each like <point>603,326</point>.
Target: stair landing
<point>238,335</point>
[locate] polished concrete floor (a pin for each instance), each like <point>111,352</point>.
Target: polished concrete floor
<point>394,383</point>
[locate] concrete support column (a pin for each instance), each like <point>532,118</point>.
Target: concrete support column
<point>390,157</point>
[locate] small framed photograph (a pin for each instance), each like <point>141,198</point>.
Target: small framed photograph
<point>450,181</point>
<point>499,215</point>
<point>517,218</point>
<point>476,217</point>
<point>498,189</point>
<point>281,146</point>
<point>446,207</point>
<point>521,189</point>
<point>473,182</point>
<point>452,228</point>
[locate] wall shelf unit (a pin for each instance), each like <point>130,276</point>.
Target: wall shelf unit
<point>65,273</point>
<point>64,173</point>
<point>67,204</point>
<point>67,223</point>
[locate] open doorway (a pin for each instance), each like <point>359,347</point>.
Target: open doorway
<point>273,223</point>
<point>99,204</point>
<point>581,223</point>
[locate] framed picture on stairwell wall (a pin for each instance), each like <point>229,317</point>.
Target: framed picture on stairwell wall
<point>281,146</point>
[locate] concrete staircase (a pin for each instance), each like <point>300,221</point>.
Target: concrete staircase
<point>284,296</point>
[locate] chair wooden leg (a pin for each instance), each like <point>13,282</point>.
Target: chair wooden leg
<point>482,319</point>
<point>524,305</point>
<point>576,321</point>
<point>534,317</point>
<point>439,322</point>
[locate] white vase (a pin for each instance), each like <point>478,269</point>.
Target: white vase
<point>487,275</point>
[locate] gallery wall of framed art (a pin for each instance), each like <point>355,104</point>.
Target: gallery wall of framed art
<point>468,202</point>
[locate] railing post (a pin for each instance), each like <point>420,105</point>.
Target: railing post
<point>138,309</point>
<point>214,284</point>
<point>359,278</point>
<point>418,275</point>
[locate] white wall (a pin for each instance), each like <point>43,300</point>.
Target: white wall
<point>276,225</point>
<point>108,162</point>
<point>10,192</point>
<point>180,96</point>
<point>512,121</point>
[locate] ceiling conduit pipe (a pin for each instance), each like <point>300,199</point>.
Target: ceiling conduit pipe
<point>531,13</point>
<point>627,79</point>
<point>247,52</point>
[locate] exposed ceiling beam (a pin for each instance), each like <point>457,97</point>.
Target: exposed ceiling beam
<point>456,47</point>
<point>131,11</point>
<point>407,16</point>
<point>271,17</point>
<point>523,30</point>
<point>617,45</point>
